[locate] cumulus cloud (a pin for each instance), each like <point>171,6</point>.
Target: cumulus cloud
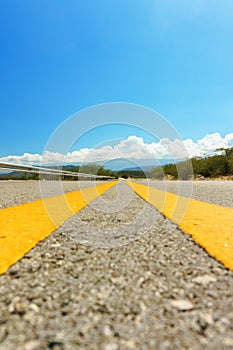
<point>26,158</point>
<point>208,144</point>
<point>131,148</point>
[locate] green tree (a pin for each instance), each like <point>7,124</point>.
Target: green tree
<point>157,173</point>
<point>170,169</point>
<point>185,170</point>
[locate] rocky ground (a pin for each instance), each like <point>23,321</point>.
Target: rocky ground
<point>110,279</point>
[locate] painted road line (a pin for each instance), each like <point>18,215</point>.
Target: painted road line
<point>23,226</point>
<point>210,225</point>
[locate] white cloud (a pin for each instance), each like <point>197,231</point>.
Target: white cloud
<point>26,158</point>
<point>131,148</point>
<point>208,144</point>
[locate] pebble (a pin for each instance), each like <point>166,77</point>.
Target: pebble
<point>129,344</point>
<point>107,331</point>
<point>111,346</point>
<point>182,305</point>
<point>205,279</point>
<point>32,345</point>
<point>228,342</point>
<point>208,318</point>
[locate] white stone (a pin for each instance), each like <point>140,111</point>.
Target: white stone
<point>182,304</point>
<point>205,279</point>
<point>228,342</point>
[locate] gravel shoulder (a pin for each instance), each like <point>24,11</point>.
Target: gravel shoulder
<point>157,289</point>
<point>215,192</point>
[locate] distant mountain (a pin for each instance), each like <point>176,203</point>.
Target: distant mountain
<point>143,168</point>
<point>134,164</point>
<point>152,165</point>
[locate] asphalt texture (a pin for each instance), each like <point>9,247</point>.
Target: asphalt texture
<point>110,279</point>
<point>216,192</point>
<point>15,192</point>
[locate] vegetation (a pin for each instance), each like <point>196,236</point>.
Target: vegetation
<point>158,173</point>
<point>208,167</point>
<point>94,169</point>
<point>131,173</point>
<point>91,168</point>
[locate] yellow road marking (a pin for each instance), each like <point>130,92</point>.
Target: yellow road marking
<point>23,226</point>
<point>210,225</point>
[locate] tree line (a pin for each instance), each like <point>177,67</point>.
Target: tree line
<point>207,167</point>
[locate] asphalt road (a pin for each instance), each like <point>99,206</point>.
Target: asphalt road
<point>215,192</point>
<point>117,275</point>
<point>15,192</point>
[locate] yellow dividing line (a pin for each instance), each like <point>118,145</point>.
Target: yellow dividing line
<point>23,226</point>
<point>210,225</point>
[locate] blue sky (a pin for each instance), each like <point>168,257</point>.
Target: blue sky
<point>58,57</point>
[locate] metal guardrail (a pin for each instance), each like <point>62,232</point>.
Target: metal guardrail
<point>48,171</point>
